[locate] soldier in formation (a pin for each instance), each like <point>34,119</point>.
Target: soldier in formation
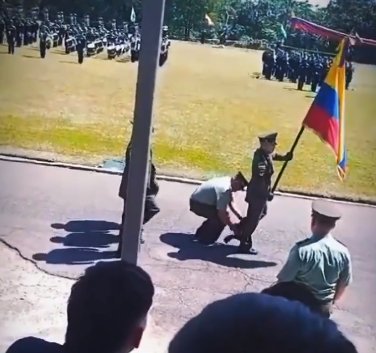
<point>11,36</point>
<point>81,36</point>
<point>299,67</point>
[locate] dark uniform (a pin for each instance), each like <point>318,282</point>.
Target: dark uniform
<point>259,190</point>
<point>316,266</point>
<point>11,38</point>
<point>349,73</point>
<point>43,44</point>
<point>2,30</point>
<point>81,43</point>
<point>152,189</point>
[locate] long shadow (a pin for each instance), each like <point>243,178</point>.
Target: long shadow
<point>68,62</point>
<point>189,249</point>
<point>88,239</point>
<point>86,226</point>
<point>84,242</point>
<point>74,256</point>
<point>296,89</point>
<point>31,56</point>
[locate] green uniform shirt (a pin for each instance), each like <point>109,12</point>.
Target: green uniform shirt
<point>214,192</point>
<point>319,263</point>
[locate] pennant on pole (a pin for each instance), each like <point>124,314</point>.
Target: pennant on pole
<point>133,15</point>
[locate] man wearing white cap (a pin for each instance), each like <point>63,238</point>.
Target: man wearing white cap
<point>320,263</point>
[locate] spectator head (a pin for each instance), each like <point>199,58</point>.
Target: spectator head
<point>107,309</point>
<point>259,323</point>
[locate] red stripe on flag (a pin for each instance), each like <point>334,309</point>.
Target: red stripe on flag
<point>325,126</point>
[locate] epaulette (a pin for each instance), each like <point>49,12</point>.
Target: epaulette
<point>302,242</point>
<point>341,242</point>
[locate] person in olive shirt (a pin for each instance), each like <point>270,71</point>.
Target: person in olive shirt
<point>259,190</point>
<point>321,263</point>
<point>213,200</point>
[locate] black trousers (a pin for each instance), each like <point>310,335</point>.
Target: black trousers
<point>80,56</point>
<point>257,209</point>
<point>42,50</point>
<point>211,229</point>
<point>301,293</point>
<point>150,210</point>
<point>10,46</point>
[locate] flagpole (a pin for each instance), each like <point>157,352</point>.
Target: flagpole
<point>300,133</point>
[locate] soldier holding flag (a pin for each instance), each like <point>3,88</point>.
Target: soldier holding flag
<point>259,190</point>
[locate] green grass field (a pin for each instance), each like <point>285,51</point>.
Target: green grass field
<point>209,110</point>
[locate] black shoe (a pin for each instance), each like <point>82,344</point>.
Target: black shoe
<point>244,249</point>
<point>228,238</point>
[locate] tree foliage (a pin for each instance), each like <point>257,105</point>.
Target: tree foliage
<point>257,19</point>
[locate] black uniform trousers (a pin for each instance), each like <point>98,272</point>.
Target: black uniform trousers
<point>211,229</point>
<point>42,49</point>
<point>301,293</point>
<point>80,53</point>
<point>257,209</point>
<point>11,45</point>
<point>151,208</point>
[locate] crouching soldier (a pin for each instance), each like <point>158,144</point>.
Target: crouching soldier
<point>214,201</point>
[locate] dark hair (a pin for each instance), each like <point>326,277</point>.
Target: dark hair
<point>104,306</point>
<point>259,323</point>
<point>324,220</point>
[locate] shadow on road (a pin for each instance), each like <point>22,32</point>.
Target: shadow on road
<point>68,62</point>
<point>84,241</point>
<point>74,256</point>
<point>30,56</point>
<point>219,254</point>
<point>83,226</point>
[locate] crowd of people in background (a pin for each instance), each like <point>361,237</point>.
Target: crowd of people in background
<point>301,67</point>
<point>77,35</point>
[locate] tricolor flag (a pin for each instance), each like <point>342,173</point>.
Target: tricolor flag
<point>326,117</point>
<point>209,20</point>
<point>133,15</point>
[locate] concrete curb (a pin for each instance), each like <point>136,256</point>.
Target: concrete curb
<point>51,163</point>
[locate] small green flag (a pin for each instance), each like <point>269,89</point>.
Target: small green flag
<point>283,31</point>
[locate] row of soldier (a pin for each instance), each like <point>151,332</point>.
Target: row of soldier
<point>300,67</point>
<point>79,35</point>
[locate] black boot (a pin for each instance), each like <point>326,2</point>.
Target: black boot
<point>246,248</point>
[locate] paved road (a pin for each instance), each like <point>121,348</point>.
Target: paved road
<point>65,220</point>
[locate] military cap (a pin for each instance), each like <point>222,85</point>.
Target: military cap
<point>326,209</point>
<point>270,137</point>
<point>240,176</point>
